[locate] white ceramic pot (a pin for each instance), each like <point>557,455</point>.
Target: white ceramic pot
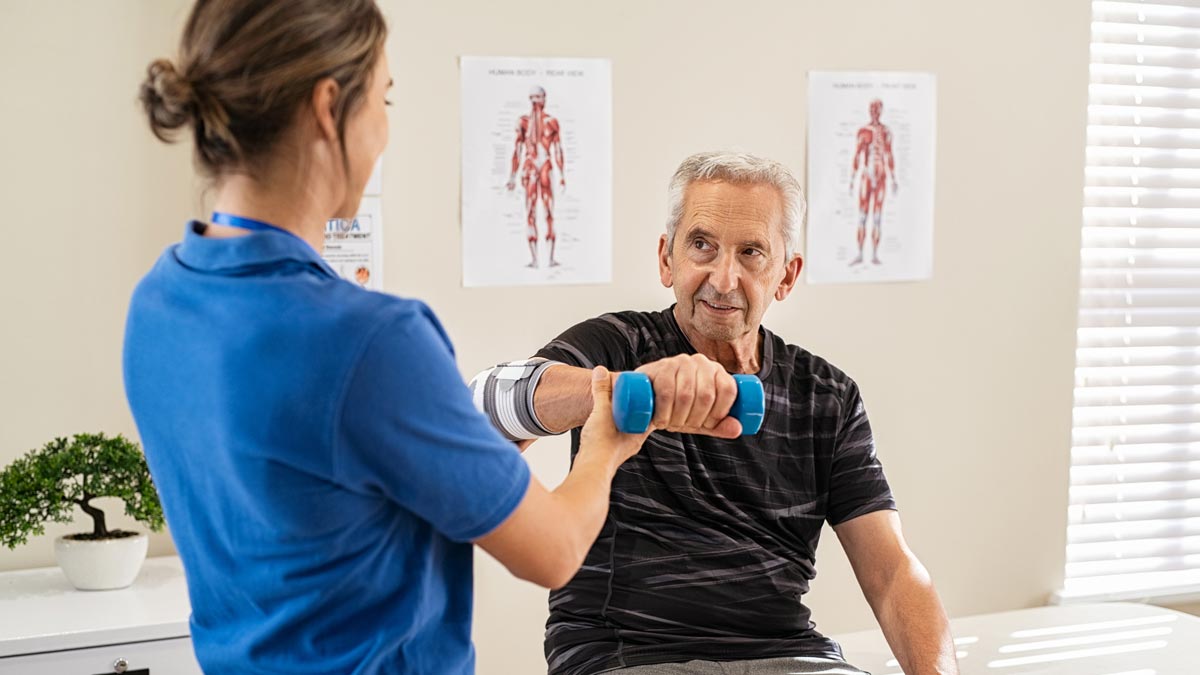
<point>101,565</point>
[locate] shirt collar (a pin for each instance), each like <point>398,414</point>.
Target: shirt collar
<point>259,248</point>
<point>768,343</point>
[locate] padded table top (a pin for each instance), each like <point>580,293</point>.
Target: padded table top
<point>1116,638</point>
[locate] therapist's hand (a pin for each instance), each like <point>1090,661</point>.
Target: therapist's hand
<point>600,433</point>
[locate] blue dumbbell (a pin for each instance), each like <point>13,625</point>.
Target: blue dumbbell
<point>633,403</point>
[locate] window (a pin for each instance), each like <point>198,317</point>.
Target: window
<point>1134,515</point>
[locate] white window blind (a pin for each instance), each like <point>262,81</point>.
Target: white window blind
<point>1134,515</point>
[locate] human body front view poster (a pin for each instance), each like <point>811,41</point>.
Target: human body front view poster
<point>536,171</point>
<point>871,140</point>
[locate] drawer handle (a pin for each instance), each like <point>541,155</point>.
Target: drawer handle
<point>120,666</point>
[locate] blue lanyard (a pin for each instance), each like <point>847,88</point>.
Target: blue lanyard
<point>222,218</point>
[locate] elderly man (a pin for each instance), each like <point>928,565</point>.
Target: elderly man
<point>711,537</point>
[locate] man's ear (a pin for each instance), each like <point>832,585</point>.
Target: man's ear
<point>791,275</point>
<point>664,262</point>
<point>324,98</point>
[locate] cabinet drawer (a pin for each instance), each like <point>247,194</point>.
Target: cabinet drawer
<point>160,657</point>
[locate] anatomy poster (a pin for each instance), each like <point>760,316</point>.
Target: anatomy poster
<point>536,171</point>
<point>871,143</point>
<point>354,246</point>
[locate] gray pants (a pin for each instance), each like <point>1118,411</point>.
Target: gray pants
<point>791,665</point>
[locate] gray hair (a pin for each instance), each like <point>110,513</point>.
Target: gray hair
<point>740,168</point>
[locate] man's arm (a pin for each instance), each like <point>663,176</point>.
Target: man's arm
<point>692,395</point>
<point>563,398</point>
<point>900,592</point>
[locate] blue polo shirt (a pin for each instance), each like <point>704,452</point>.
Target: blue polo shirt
<point>319,460</point>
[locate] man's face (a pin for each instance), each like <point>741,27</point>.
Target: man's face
<point>727,262</point>
<point>876,109</point>
<point>537,99</point>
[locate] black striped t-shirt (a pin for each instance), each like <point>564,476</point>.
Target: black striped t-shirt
<point>710,544</point>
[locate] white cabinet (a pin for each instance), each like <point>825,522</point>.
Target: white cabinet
<point>49,628</point>
<point>151,658</point>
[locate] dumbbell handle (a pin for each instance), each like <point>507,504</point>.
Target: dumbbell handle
<point>633,403</point>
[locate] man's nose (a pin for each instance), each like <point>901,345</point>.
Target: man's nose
<point>724,275</point>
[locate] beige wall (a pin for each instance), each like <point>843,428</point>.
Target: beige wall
<point>89,201</point>
<point>967,377</point>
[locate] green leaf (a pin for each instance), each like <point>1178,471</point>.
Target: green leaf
<point>46,484</point>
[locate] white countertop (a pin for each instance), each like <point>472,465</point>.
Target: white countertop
<point>40,611</point>
<point>1116,638</point>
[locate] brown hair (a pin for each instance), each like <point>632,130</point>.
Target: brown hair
<point>245,66</point>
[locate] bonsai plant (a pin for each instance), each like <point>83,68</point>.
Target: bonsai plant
<point>48,483</point>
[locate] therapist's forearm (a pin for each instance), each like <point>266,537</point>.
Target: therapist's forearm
<point>549,535</point>
<point>915,624</point>
<point>583,500</point>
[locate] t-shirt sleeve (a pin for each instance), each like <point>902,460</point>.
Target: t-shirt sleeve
<point>410,432</point>
<point>603,341</point>
<point>857,485</point>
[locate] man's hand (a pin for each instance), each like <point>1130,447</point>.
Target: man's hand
<point>693,395</point>
<point>512,183</point>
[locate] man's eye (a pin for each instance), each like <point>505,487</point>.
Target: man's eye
<point>700,244</point>
<point>752,252</point>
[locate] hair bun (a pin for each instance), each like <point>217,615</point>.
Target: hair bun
<point>167,97</point>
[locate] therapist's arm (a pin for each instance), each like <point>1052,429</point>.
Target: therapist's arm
<point>900,592</point>
<point>546,538</point>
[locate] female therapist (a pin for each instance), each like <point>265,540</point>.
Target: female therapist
<point>322,467</point>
